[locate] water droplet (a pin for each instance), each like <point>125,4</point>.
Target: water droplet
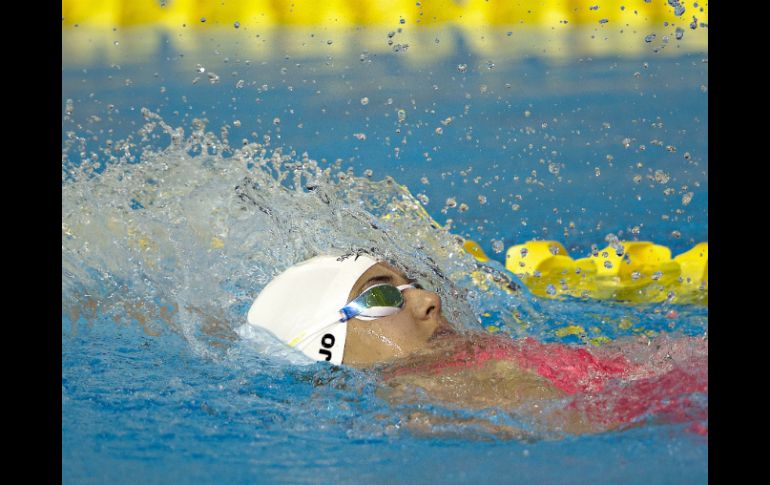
<point>401,115</point>
<point>626,142</point>
<point>462,68</point>
<point>553,249</point>
<point>608,264</point>
<point>603,21</point>
<point>676,234</point>
<point>679,10</point>
<point>360,136</point>
<point>524,252</point>
<point>482,199</point>
<point>649,38</point>
<point>490,65</point>
<point>368,172</point>
<point>497,246</point>
<point>679,33</point>
<point>424,200</point>
<point>240,84</point>
<point>597,171</point>
<point>116,43</point>
<point>213,78</point>
<point>364,101</point>
<point>199,68</point>
<point>276,121</point>
<point>237,25</point>
<point>527,114</point>
<point>451,202</point>
<point>439,130</point>
<point>237,123</point>
<point>463,207</point>
<point>656,275</point>
<point>329,42</point>
<point>635,275</point>
<point>69,107</point>
<point>687,198</point>
<point>550,289</point>
<point>203,19</point>
<point>553,168</point>
<point>661,177</point>
<point>402,21</point>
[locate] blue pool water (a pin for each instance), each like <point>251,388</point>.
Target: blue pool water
<point>534,144</point>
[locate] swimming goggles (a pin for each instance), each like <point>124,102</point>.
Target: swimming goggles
<point>377,301</point>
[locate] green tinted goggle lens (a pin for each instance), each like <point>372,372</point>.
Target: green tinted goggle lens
<point>383,295</point>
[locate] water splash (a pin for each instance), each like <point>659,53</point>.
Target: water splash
<point>186,235</point>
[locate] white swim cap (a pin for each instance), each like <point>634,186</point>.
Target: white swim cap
<point>301,306</point>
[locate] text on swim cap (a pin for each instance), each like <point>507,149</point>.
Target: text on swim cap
<point>328,342</point>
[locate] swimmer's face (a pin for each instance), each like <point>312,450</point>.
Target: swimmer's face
<point>398,335</point>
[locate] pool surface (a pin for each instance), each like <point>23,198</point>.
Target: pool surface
<point>498,145</point>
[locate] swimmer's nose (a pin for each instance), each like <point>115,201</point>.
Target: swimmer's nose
<point>426,305</point>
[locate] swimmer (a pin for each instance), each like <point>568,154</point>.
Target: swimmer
<point>357,311</point>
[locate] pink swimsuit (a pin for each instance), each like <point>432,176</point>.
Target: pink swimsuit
<point>607,389</point>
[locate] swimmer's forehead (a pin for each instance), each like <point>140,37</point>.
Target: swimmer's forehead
<point>379,273</point>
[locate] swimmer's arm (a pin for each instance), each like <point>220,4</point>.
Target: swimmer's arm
<point>499,385</point>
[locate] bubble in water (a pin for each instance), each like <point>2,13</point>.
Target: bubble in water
<point>656,275</point>
<point>482,199</point>
<point>360,136</point>
<point>550,289</point>
<point>402,21</point>
<point>462,67</point>
<point>368,172</point>
<point>603,21</point>
<point>527,114</point>
<point>364,101</point>
<point>451,202</point>
<point>626,142</point>
<point>687,198</point>
<point>116,43</point>
<point>649,38</point>
<point>635,275</point>
<point>553,249</point>
<point>490,65</point>
<point>203,19</point>
<point>237,25</point>
<point>497,246</point>
<point>597,171</point>
<point>213,78</point>
<point>424,200</point>
<point>200,69</point>
<point>424,180</point>
<point>593,7</point>
<point>608,264</point>
<point>69,107</point>
<point>679,33</point>
<point>237,123</point>
<point>676,234</point>
<point>276,121</point>
<point>679,10</point>
<point>401,115</point>
<point>463,207</point>
<point>240,84</point>
<point>439,130</point>
<point>524,252</point>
